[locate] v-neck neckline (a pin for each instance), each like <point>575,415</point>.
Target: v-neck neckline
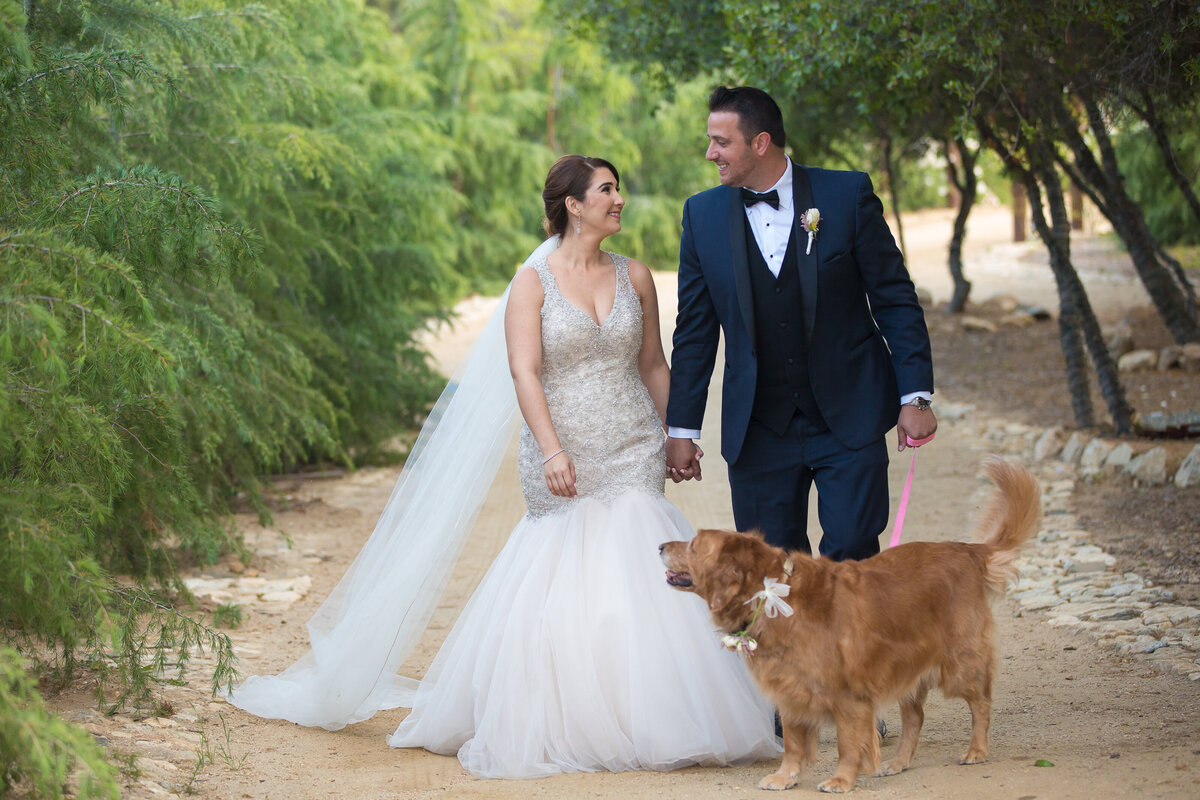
<point>589,317</point>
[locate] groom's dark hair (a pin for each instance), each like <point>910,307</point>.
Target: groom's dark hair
<point>757,111</point>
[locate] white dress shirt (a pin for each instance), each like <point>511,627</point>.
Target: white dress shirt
<point>772,227</point>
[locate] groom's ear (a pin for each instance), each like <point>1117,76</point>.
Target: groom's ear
<point>761,143</point>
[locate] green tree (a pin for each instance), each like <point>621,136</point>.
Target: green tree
<point>1032,76</point>
<point>210,273</point>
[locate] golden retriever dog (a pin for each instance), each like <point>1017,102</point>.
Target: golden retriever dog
<point>863,634</point>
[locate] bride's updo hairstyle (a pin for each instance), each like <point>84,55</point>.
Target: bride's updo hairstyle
<point>569,177</point>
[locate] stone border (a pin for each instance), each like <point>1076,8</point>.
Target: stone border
<point>1066,578</point>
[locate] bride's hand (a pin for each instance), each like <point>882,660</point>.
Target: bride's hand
<point>560,475</point>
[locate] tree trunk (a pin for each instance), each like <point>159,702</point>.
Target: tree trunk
<point>892,170</point>
<point>1070,335</point>
<point>1020,209</point>
<point>1077,322</point>
<point>953,161</point>
<point>1149,115</point>
<point>966,189</point>
<point>1059,233</point>
<point>1076,207</point>
<point>1174,300</point>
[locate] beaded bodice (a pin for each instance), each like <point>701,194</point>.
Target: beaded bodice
<point>600,408</point>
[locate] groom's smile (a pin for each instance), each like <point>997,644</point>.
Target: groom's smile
<point>730,152</point>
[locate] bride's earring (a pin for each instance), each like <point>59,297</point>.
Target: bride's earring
<point>578,224</point>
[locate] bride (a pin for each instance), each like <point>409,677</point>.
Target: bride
<point>572,655</point>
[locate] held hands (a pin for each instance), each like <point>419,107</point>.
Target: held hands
<point>914,424</point>
<point>683,460</point>
<point>560,474</point>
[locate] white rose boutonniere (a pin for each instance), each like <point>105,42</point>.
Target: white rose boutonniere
<point>810,220</point>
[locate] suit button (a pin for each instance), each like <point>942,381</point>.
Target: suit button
<point>791,361</point>
<point>783,325</point>
<point>778,290</point>
<point>795,395</point>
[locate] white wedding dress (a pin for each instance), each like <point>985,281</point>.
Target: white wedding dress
<point>574,654</point>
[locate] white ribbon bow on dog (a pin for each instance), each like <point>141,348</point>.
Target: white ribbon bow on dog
<point>772,596</point>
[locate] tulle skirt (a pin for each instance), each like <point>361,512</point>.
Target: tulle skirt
<point>574,655</point>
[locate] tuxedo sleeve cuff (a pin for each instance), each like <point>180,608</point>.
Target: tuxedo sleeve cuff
<point>683,433</point>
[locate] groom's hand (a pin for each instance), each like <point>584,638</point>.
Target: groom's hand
<point>914,423</point>
<point>683,459</point>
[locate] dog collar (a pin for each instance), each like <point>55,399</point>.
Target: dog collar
<point>770,599</point>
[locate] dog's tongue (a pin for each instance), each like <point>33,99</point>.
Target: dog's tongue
<point>679,578</point>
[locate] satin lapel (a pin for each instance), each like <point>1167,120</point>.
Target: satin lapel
<point>738,261</point>
<point>803,199</point>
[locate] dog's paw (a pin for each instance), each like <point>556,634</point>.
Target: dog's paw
<point>893,767</point>
<point>974,756</point>
<point>835,785</point>
<point>778,781</point>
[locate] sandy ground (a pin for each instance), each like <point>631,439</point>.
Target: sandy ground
<point>1111,725</point>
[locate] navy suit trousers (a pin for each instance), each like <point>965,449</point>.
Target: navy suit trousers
<point>771,479</point>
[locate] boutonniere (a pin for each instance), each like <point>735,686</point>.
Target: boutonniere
<point>770,599</point>
<point>810,220</point>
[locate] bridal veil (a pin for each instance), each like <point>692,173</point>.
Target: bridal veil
<point>376,614</point>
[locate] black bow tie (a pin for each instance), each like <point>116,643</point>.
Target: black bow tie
<point>750,197</point>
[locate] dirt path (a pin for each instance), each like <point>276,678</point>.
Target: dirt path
<point>1111,725</point>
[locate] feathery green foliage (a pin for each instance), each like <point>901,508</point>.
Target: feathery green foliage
<point>40,753</point>
<point>1171,221</point>
<point>221,225</point>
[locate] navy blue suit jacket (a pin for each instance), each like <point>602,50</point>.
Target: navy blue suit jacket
<point>866,335</point>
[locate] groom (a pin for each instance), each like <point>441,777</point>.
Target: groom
<point>826,347</point>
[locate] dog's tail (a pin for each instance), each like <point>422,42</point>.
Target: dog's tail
<point>1011,518</point>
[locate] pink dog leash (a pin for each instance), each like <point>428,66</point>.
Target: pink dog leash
<point>912,468</point>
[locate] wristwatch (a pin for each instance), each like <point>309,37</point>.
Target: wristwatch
<point>920,403</point>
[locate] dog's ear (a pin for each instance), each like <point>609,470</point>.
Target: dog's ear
<point>726,581</point>
<point>723,595</point>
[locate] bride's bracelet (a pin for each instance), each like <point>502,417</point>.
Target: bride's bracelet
<point>552,455</point>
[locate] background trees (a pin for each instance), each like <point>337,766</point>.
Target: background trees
<point>221,225</point>
<point>1042,87</point>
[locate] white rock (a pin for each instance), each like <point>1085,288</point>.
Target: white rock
<point>1189,357</point>
<point>1150,467</point>
<point>1005,302</point>
<point>1172,615</point>
<point>1120,456</point>
<point>1094,455</point>
<point>1017,319</point>
<point>1118,627</point>
<point>953,412</point>
<point>1073,449</point>
<point>1049,444</point>
<point>1039,601</point>
<point>1189,470</point>
<point>280,597</point>
<point>1137,361</point>
<point>1120,339</point>
<point>977,324</point>
<point>1123,589</point>
<point>1168,357</point>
